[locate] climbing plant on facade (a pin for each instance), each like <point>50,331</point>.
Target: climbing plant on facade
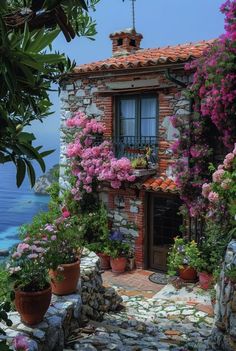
<point>92,158</point>
<point>211,130</point>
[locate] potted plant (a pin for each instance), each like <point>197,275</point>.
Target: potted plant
<point>139,163</point>
<point>205,269</point>
<point>183,259</point>
<point>119,249</point>
<point>29,272</point>
<point>63,253</point>
<point>103,252</point>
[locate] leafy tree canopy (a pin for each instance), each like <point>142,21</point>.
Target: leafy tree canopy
<point>28,67</point>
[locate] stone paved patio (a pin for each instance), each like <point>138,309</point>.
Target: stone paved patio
<point>161,319</point>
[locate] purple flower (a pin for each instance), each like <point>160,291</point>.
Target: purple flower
<point>20,343</point>
<point>116,235</point>
<point>49,227</point>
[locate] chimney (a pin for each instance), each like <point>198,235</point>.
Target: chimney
<point>125,42</point>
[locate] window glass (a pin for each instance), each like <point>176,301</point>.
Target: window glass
<point>148,108</point>
<point>148,127</point>
<point>127,127</point>
<point>127,108</point>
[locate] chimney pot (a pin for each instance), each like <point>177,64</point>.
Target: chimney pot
<point>125,42</point>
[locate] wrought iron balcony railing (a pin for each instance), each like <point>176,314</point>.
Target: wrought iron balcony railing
<point>133,147</point>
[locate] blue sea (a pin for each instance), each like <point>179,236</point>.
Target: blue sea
<point>17,205</point>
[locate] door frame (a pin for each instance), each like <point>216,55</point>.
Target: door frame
<point>148,223</point>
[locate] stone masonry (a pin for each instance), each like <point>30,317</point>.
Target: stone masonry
<point>85,93</point>
<point>66,313</point>
<point>224,332</point>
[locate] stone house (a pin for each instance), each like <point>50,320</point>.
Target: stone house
<point>134,93</point>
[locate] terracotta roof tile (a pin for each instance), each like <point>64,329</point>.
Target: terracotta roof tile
<point>160,184</point>
<point>148,57</point>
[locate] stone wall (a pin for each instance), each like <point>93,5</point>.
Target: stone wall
<point>89,93</point>
<point>224,332</point>
<point>66,313</point>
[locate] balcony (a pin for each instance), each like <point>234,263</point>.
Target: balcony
<point>134,148</point>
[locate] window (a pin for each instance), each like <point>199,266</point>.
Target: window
<point>137,116</point>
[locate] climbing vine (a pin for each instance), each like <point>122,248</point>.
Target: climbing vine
<point>211,131</point>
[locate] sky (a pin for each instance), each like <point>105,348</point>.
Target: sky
<point>161,22</point>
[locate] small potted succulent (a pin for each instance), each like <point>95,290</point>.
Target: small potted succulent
<point>119,250</point>
<point>183,259</point>
<point>29,273</point>
<point>139,163</point>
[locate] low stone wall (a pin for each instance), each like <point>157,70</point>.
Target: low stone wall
<point>96,300</point>
<point>224,332</point>
<point>68,312</point>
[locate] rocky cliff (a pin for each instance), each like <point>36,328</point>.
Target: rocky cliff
<point>43,182</point>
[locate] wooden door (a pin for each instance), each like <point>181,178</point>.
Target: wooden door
<point>164,222</point>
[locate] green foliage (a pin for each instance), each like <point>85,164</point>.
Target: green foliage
<point>4,309</point>
<point>27,69</point>
<point>139,162</point>
<point>213,246</point>
<point>63,241</point>
<point>119,249</point>
<point>94,226</point>
<point>5,289</point>
<point>230,273</point>
<point>183,253</point>
<point>39,221</point>
<point>27,267</point>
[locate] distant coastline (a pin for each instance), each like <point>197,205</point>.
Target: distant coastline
<point>46,180</point>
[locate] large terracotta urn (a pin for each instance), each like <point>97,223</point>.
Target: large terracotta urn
<point>32,306</point>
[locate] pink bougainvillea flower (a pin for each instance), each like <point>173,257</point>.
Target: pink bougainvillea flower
<point>22,247</point>
<point>65,212</point>
<point>218,175</point>
<point>226,184</point>
<point>213,197</point>
<point>206,189</point>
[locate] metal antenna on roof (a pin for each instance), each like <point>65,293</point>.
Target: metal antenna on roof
<point>133,13</point>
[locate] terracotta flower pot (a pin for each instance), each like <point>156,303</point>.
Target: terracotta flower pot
<point>104,261</point>
<point>205,280</point>
<point>32,306</point>
<point>188,274</point>
<point>65,281</point>
<point>118,264</point>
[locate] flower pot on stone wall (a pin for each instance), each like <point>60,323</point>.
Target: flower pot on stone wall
<point>32,306</point>
<point>188,274</point>
<point>118,265</point>
<point>104,261</point>
<point>64,281</point>
<point>205,280</point>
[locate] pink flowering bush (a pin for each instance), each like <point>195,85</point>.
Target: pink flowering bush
<point>221,192</point>
<point>63,240</point>
<point>211,130</point>
<point>92,158</point>
<point>27,266</point>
